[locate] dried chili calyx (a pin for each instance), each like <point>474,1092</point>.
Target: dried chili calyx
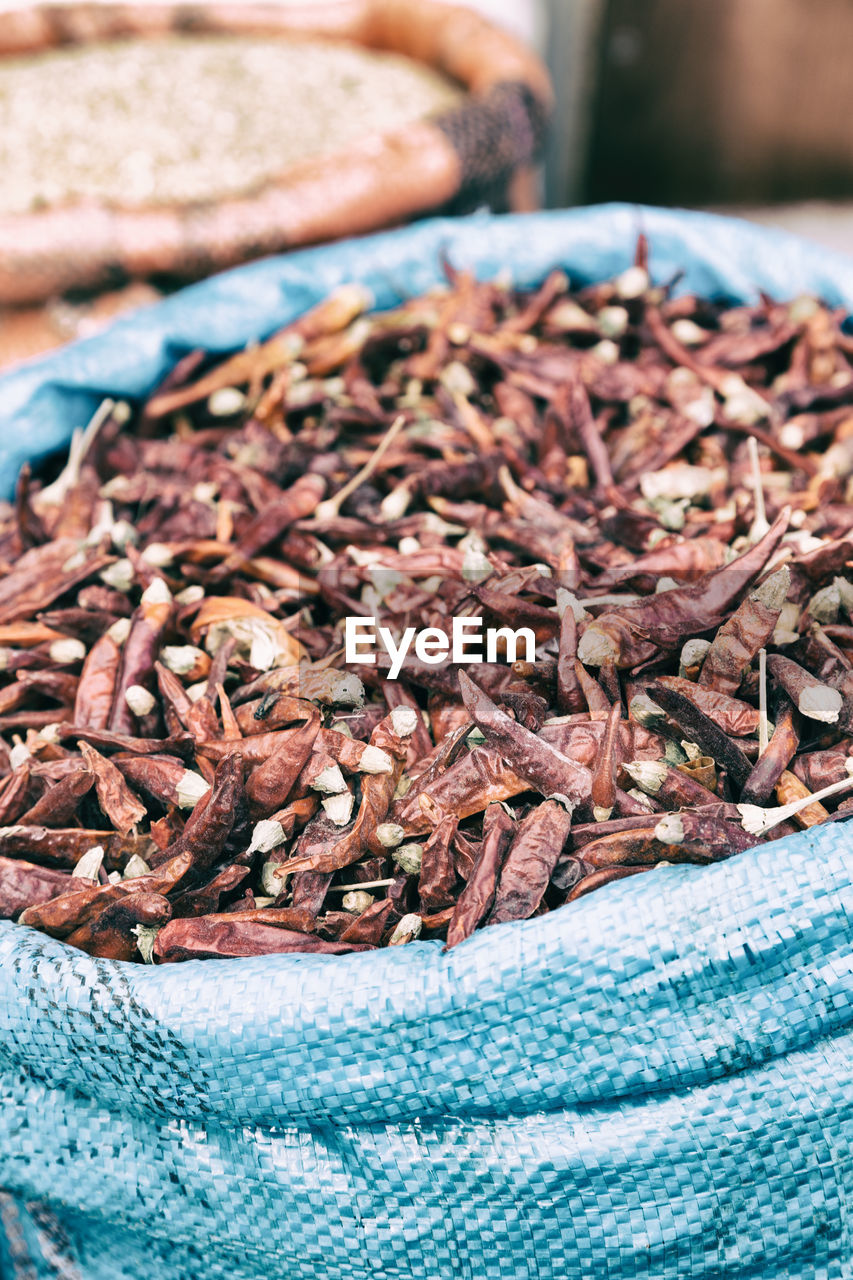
<point>633,505</point>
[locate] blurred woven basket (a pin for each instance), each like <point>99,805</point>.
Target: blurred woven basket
<point>456,158</point>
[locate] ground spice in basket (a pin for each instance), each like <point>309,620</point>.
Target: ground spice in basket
<point>644,498</point>
<point>193,118</point>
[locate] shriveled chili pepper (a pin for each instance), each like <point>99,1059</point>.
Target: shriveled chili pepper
<point>811,697</point>
<point>58,806</point>
<point>747,630</point>
<point>606,767</point>
<point>536,846</point>
<point>112,934</point>
<point>198,939</point>
<point>206,899</point>
<point>788,788</point>
<point>164,778</point>
<point>23,884</point>
<point>180,744</point>
<point>212,819</point>
<point>96,686</point>
<point>438,871</point>
<point>704,731</point>
<point>476,899</point>
<point>819,769</point>
<point>768,769</point>
<point>14,794</point>
<point>269,784</point>
<point>138,655</point>
<point>63,847</point>
<point>390,736</point>
<point>643,629</point>
<point>123,808</point>
<point>733,716</point>
<point>602,876</point>
<point>536,761</point>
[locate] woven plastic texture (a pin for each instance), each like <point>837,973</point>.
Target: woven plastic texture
<point>655,1082</point>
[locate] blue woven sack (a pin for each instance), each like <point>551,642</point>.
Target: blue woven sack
<point>655,1081</point>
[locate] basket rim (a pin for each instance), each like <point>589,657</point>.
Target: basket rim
<point>380,181</point>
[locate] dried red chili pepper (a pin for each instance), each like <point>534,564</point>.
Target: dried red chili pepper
<point>390,737</point>
<point>533,854</point>
<point>112,934</point>
<point>768,769</point>
<point>438,869</point>
<point>604,875</point>
<point>212,819</point>
<point>733,716</point>
<point>541,766</point>
<point>96,686</point>
<point>810,696</point>
<point>136,668</point>
<point>58,806</point>
<point>704,731</point>
<point>270,783</point>
<point>476,899</point>
<point>747,630</point>
<point>641,630</point>
<point>226,938</point>
<point>23,884</point>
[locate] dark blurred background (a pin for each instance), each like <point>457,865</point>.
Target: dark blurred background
<point>740,104</point>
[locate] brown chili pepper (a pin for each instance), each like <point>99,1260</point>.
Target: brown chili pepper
<point>811,697</point>
<point>606,768</point>
<point>111,935</point>
<point>23,884</point>
<point>138,655</point>
<point>535,849</point>
<point>270,783</point>
<point>96,686</point>
<point>211,822</point>
<point>438,870</point>
<point>543,767</point>
<point>300,500</point>
<point>176,744</point>
<point>226,938</point>
<point>14,794</point>
<point>390,736</point>
<point>57,847</point>
<point>206,899</point>
<point>641,630</point>
<point>704,731</point>
<point>476,899</point>
<point>818,769</point>
<point>768,769</point>
<point>596,699</point>
<point>163,778</point>
<point>371,925</point>
<point>790,788</point>
<point>733,716</point>
<point>596,879</point>
<point>198,718</point>
<point>570,696</point>
<point>58,806</point>
<point>79,907</point>
<point>124,809</point>
<point>637,847</point>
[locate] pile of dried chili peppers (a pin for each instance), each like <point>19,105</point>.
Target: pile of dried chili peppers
<point>656,486</point>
